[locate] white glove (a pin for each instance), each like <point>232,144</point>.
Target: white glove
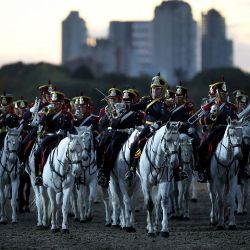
<point>191,130</point>
<point>77,113</point>
<point>130,131</point>
<point>154,127</point>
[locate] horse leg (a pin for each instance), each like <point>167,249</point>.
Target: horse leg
<point>53,208</point>
<point>150,207</point>
<point>231,196</point>
<point>239,196</point>
<point>106,206</point>
<point>45,204</point>
<point>14,185</point>
<point>3,218</point>
<point>115,196</point>
<point>126,207</point>
<point>193,189</point>
<point>180,197</point>
<point>164,190</point>
<point>65,208</point>
<point>81,203</point>
<point>157,211</point>
<point>92,195</point>
<point>245,193</point>
<point>186,199</point>
<point>74,203</point>
<point>221,204</point>
<point>175,200</point>
<point>212,196</point>
<point>21,199</point>
<point>27,194</point>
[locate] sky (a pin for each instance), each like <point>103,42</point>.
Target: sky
<point>30,30</point>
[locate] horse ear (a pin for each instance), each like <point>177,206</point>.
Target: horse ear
<point>77,129</point>
<point>69,135</point>
<point>90,127</point>
<point>229,120</point>
<point>7,128</point>
<point>20,128</point>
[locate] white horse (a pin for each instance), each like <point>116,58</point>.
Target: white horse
<point>123,191</point>
<point>186,161</point>
<point>242,188</point>
<point>158,158</point>
<point>87,181</point>
<point>223,171</point>
<point>61,168</point>
<point>9,177</point>
<point>41,197</point>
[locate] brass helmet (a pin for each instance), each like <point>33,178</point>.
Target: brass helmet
<point>158,82</point>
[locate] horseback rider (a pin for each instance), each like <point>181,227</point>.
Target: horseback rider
<point>215,118</point>
<point>8,118</point>
<point>121,123</point>
<point>156,113</point>
<point>183,109</point>
<point>241,102</point>
<point>32,126</point>
<point>56,122</point>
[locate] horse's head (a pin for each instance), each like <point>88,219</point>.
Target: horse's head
<point>246,132</point>
<point>235,136</point>
<point>170,143</point>
<point>186,148</point>
<point>86,137</point>
<point>12,143</point>
<point>74,156</point>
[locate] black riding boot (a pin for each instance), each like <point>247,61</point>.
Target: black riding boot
<point>38,180</point>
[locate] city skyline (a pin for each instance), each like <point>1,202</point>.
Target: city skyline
<point>31,32</point>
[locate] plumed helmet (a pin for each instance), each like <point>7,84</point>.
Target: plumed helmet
<point>57,96</point>
<point>158,81</point>
<point>114,93</point>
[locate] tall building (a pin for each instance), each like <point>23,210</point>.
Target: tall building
<point>74,37</point>
<point>174,41</point>
<point>134,47</point>
<point>217,50</point>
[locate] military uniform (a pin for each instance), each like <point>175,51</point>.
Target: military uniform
<point>241,102</point>
<point>55,124</point>
<point>215,117</point>
<point>7,118</point>
<point>156,113</point>
<point>42,107</point>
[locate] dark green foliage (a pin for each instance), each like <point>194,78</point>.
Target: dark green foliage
<point>22,79</point>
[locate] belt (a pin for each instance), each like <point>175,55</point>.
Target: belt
<point>149,122</point>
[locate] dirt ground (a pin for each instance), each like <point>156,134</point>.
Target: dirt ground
<point>193,234</point>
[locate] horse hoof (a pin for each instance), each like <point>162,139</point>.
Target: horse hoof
<point>108,225</point>
<point>45,227</point>
<point>213,223</point>
<point>186,218</point>
<point>240,214</point>
<point>71,214</point>
<point>65,231</point>
<point>116,226</point>
<point>244,213</point>
<point>129,229</point>
<point>164,234</point>
<point>83,221</point>
<point>76,219</point>
<point>219,227</point>
<point>55,230</point>
<point>39,227</point>
<point>3,222</point>
<point>194,200</point>
<point>151,234</point>
<point>14,222</point>
<point>137,210</point>
<point>180,217</point>
<point>232,227</point>
<point>90,218</point>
